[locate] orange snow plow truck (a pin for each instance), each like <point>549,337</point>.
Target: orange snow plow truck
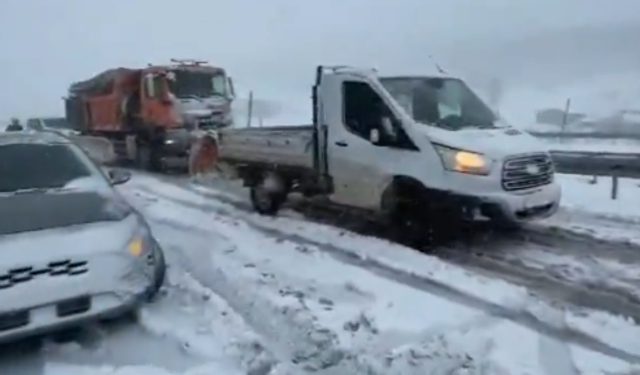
<point>150,115</point>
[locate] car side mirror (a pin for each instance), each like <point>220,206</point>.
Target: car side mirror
<point>118,176</point>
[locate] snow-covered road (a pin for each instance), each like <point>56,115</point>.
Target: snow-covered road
<point>255,295</point>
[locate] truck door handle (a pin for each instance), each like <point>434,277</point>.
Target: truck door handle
<point>342,144</point>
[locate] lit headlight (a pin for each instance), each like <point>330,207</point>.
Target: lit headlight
<point>136,246</point>
<point>464,161</point>
<point>139,244</point>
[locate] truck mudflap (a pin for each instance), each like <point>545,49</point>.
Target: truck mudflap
<point>203,155</point>
<point>99,149</point>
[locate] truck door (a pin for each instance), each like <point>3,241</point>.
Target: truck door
<point>153,99</point>
<point>356,109</point>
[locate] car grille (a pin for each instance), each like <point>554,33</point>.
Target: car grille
<point>527,171</point>
<point>59,268</point>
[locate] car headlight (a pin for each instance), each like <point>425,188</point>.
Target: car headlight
<point>136,246</point>
<point>139,244</point>
<point>464,161</point>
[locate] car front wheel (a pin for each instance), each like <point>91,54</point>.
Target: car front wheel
<point>160,273</point>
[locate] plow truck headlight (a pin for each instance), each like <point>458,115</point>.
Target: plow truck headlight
<point>462,161</point>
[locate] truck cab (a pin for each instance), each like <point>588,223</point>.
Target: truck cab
<point>435,134</point>
<point>405,148</point>
<point>189,93</point>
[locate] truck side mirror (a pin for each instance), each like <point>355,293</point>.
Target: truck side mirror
<point>232,90</point>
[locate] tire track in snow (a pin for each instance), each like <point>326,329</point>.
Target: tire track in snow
<point>431,286</point>
<point>289,333</point>
<point>315,348</point>
<point>530,257</point>
<point>585,282</point>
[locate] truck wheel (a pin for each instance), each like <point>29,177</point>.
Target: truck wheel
<point>266,202</point>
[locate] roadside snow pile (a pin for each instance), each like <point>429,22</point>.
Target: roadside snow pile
<point>318,311</point>
<point>582,195</point>
<point>587,209</point>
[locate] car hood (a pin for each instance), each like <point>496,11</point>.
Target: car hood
<point>53,226</point>
<point>34,212</point>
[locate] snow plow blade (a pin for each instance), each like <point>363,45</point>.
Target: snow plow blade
<point>98,148</point>
<point>203,157</point>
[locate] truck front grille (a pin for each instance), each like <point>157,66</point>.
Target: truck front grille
<point>527,171</point>
<point>66,267</point>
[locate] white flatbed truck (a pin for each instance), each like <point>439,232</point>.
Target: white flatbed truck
<point>405,149</point>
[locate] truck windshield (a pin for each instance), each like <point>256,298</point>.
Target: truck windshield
<point>189,84</point>
<point>447,103</point>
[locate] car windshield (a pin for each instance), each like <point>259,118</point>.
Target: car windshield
<point>447,103</point>
<point>56,123</point>
<point>189,84</point>
<point>26,167</point>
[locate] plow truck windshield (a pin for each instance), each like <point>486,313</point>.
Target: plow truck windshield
<point>186,84</point>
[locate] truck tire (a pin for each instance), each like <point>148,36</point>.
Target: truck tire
<point>147,159</point>
<point>414,219</point>
<point>266,202</point>
<point>143,157</point>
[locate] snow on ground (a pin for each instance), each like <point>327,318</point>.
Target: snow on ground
<point>588,208</point>
<point>582,195</point>
<point>317,310</point>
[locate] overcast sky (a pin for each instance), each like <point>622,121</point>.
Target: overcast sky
<point>269,45</point>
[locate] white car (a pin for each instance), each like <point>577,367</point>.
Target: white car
<point>54,124</point>
<point>74,251</point>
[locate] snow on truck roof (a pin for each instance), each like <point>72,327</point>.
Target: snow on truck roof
<point>32,137</point>
<point>106,77</point>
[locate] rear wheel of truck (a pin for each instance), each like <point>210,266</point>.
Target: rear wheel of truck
<point>265,201</point>
<point>148,159</point>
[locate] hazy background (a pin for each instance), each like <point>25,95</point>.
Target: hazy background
<point>537,48</point>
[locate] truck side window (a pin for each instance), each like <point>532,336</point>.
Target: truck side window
<point>153,87</point>
<point>363,108</point>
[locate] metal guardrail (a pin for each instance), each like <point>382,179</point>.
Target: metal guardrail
<point>590,163</point>
<point>633,136</point>
<point>596,164</point>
